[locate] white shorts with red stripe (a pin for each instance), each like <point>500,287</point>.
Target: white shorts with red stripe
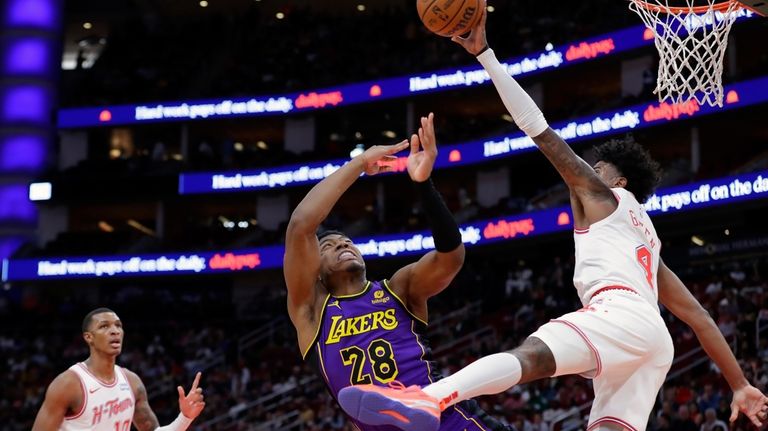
<point>621,342</point>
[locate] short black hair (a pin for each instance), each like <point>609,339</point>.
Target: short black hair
<point>634,163</point>
<point>89,317</point>
<point>328,232</point>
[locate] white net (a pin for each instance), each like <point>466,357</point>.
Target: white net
<point>691,41</point>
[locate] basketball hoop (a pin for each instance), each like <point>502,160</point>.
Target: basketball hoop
<point>691,41</point>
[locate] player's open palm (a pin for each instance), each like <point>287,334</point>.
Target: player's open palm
<point>423,150</point>
<point>191,404</point>
<point>379,158</point>
<point>750,401</point>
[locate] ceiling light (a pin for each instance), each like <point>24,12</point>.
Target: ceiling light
<point>389,134</point>
<point>140,227</point>
<point>358,135</point>
<point>280,15</point>
<point>263,145</point>
<point>203,3</point>
<point>242,224</point>
<point>696,240</point>
<point>238,146</point>
<point>727,231</point>
<point>40,191</point>
<point>490,8</point>
<point>507,117</point>
<point>106,227</point>
<point>87,25</point>
<point>361,7</point>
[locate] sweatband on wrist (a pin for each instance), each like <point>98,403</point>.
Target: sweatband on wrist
<point>181,423</point>
<point>523,109</point>
<point>444,229</point>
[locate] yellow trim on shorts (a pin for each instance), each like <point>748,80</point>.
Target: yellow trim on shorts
<point>469,419</point>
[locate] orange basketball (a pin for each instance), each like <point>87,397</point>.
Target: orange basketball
<point>450,17</point>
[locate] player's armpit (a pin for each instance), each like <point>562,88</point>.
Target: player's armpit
<point>63,395</point>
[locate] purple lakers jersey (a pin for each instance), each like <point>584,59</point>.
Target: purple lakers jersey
<point>371,338</point>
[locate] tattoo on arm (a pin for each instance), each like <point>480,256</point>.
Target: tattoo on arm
<point>144,418</point>
<point>575,171</point>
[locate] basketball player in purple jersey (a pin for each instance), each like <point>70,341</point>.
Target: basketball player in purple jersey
<point>371,332</point>
<point>98,395</point>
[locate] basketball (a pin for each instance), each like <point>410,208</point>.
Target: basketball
<point>450,17</point>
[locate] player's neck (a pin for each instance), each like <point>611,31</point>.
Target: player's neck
<point>101,366</point>
<point>349,285</point>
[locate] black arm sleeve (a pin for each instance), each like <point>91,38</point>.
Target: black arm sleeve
<point>445,231</point>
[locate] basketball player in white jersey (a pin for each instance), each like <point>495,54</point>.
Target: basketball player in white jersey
<point>98,395</point>
<point>618,339</point>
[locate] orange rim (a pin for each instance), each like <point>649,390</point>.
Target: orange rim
<point>719,7</point>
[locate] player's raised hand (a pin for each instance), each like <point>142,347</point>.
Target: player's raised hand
<point>377,157</point>
<point>750,401</point>
<point>423,150</point>
<point>476,41</point>
<point>191,404</point>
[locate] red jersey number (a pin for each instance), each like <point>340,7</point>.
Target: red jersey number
<point>645,259</point>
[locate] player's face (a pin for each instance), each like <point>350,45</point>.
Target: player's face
<point>609,174</point>
<point>338,253</point>
<point>105,333</point>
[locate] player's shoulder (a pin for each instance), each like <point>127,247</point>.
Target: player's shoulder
<point>65,386</point>
<point>132,377</point>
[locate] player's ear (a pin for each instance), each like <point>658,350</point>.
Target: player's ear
<point>621,182</point>
<point>88,337</point>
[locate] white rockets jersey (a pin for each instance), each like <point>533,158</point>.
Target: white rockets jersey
<point>620,250</point>
<point>106,406</point>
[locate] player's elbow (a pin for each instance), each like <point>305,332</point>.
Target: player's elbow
<point>699,319</point>
<point>300,223</point>
<point>454,259</point>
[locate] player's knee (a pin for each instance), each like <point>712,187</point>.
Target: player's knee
<point>536,360</point>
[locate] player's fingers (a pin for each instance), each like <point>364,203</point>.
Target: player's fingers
<point>734,412</point>
<point>398,147</point>
<point>196,382</point>
<point>181,391</point>
<point>422,136</point>
<point>389,158</point>
<point>458,39</point>
<point>483,17</point>
<point>431,129</point>
<point>755,420</point>
<point>415,143</point>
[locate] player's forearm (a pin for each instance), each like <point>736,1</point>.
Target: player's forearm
<point>713,342</point>
<point>445,230</point>
<point>316,205</point>
<point>523,109</point>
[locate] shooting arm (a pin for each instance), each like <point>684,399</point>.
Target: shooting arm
<point>578,175</point>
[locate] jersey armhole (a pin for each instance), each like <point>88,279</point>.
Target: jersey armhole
<point>385,284</point>
<point>85,399</point>
<point>317,331</point>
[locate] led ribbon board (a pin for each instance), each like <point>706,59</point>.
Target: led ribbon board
<point>604,124</point>
<point>703,194</point>
<point>364,92</point>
